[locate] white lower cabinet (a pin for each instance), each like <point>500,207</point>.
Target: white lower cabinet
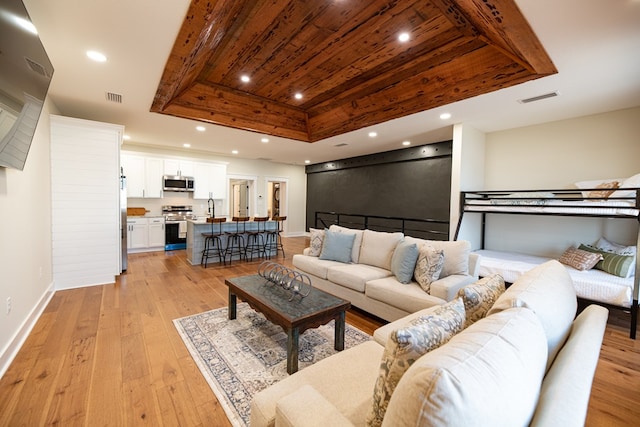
<point>145,234</point>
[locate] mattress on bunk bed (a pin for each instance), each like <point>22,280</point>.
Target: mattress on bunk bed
<point>552,206</point>
<point>592,284</point>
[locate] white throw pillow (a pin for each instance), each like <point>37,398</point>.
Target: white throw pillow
<point>377,248</point>
<point>428,266</point>
<point>316,239</point>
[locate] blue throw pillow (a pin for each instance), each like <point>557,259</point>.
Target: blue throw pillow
<point>337,246</point>
<point>403,261</point>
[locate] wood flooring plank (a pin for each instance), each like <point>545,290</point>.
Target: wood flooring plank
<point>141,406</point>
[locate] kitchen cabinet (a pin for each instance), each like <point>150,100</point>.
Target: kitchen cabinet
<point>210,180</point>
<point>179,167</point>
<point>156,233</point>
<point>145,234</point>
<point>137,233</point>
<point>144,176</point>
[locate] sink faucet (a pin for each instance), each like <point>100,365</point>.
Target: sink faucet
<point>212,208</point>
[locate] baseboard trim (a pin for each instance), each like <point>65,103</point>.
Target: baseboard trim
<point>11,350</point>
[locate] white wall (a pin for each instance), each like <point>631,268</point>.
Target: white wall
<point>554,156</point>
<point>25,242</point>
<point>261,169</point>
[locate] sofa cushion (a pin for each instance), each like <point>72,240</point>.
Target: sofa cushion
<point>406,345</point>
<point>548,291</point>
<point>403,261</point>
<point>345,379</point>
<point>428,266</point>
<point>480,296</point>
<point>407,297</point>
<point>456,254</point>
<point>354,276</point>
<point>487,375</point>
<point>314,265</point>
<point>337,246</point>
<point>357,242</point>
<point>377,248</point>
<point>316,239</point>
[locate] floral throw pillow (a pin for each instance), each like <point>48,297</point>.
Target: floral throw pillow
<point>479,297</point>
<point>317,237</point>
<point>406,345</point>
<point>428,267</point>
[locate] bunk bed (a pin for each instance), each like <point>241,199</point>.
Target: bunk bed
<point>592,285</point>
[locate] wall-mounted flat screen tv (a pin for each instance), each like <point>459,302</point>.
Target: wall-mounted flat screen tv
<point>25,75</point>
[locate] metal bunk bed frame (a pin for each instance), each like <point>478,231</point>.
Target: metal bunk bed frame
<point>565,197</point>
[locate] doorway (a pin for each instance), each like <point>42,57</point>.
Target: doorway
<point>277,198</point>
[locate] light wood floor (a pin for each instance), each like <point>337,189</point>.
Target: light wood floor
<point>110,355</point>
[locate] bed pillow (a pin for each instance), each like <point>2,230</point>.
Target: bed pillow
<point>632,182</point>
<point>403,261</point>
<point>580,259</point>
<point>406,345</point>
<point>594,184</point>
<point>618,265</point>
<point>337,246</point>
<point>615,248</point>
<point>315,246</point>
<point>604,190</point>
<point>428,266</point>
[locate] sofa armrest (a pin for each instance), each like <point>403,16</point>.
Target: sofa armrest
<point>447,288</point>
<point>564,396</point>
<point>306,251</point>
<point>308,408</point>
<point>474,265</point>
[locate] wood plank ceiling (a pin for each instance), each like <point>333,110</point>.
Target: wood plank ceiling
<point>345,58</point>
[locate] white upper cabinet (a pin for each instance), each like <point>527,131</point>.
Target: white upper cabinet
<point>179,167</point>
<point>210,180</point>
<point>144,176</point>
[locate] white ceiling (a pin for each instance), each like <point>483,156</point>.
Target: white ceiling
<point>595,45</point>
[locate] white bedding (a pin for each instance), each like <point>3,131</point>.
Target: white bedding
<point>538,206</point>
<point>593,284</point>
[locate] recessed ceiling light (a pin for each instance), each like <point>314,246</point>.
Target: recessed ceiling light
<point>200,128</point>
<point>298,95</point>
<point>307,161</point>
<point>405,143</point>
<point>234,152</point>
<point>126,137</point>
<point>245,78</point>
<point>265,140</point>
<point>403,37</point>
<point>186,145</point>
<point>373,134</point>
<point>96,56</point>
<point>445,116</point>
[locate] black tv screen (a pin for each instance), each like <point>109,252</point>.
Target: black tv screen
<point>25,75</point>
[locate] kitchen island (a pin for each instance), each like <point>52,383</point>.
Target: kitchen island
<point>195,239</point>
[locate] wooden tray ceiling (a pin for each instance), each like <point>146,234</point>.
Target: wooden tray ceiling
<point>344,56</point>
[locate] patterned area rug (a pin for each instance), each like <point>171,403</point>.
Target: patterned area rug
<point>241,357</point>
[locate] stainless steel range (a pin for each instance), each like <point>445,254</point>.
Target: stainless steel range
<point>175,218</point>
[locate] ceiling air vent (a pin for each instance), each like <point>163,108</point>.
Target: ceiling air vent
<point>342,144</point>
<point>114,97</point>
<point>36,67</point>
<point>539,97</point>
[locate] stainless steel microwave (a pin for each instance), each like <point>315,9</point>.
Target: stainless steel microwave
<point>177,183</point>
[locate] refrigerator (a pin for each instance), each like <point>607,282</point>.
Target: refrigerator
<point>123,221</point>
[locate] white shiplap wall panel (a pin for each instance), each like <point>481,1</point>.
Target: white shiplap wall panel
<point>85,202</point>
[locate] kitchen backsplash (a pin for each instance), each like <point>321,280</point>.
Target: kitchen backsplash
<point>154,206</point>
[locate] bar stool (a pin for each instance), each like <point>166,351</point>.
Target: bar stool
<point>235,239</point>
<point>274,238</point>
<point>256,239</point>
<point>213,243</point>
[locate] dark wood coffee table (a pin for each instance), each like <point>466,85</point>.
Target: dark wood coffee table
<point>295,317</point>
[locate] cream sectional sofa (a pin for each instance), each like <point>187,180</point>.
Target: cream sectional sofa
<point>369,282</point>
<point>528,361</point>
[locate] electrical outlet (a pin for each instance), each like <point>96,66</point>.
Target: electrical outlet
<point>8,305</point>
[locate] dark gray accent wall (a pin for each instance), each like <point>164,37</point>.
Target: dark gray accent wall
<point>410,183</point>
